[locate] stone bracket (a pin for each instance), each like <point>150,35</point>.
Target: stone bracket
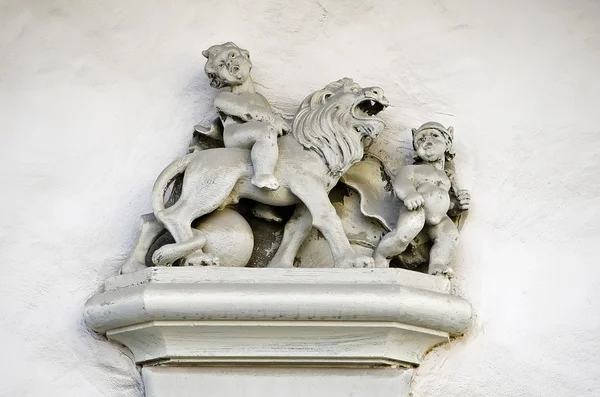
<point>278,317</point>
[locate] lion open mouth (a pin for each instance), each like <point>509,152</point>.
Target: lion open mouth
<point>367,108</point>
<point>365,111</point>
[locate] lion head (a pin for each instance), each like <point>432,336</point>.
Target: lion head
<point>334,121</point>
<point>227,65</point>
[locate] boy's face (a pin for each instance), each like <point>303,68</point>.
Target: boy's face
<point>227,67</point>
<point>430,144</point>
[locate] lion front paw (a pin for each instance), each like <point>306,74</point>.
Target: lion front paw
<point>164,256</point>
<point>381,261</point>
<point>202,259</point>
<point>357,262</point>
<point>280,265</point>
<point>445,271</point>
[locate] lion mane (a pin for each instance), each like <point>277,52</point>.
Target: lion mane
<point>324,123</point>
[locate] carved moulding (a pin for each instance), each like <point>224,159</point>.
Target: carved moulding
<point>299,317</point>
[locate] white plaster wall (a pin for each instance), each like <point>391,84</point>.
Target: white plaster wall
<point>261,382</point>
<point>96,97</point>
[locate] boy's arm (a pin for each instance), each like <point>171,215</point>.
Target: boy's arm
<point>233,105</point>
<point>281,125</point>
<point>215,131</point>
<point>230,104</point>
<point>462,197</point>
<point>404,188</point>
<point>403,184</point>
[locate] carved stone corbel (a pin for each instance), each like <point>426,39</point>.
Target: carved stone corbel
<point>238,317</point>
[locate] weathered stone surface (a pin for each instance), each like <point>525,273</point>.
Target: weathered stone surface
<point>327,139</point>
<point>308,317</point>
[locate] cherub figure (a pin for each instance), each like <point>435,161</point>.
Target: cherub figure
<point>246,119</point>
<point>424,188</point>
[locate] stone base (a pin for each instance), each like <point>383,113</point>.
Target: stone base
<point>181,323</point>
<point>289,343</point>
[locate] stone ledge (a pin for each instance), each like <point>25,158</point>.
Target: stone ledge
<point>284,343</point>
<point>307,317</point>
<point>232,275</point>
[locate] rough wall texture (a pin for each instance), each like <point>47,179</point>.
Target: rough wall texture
<point>96,97</point>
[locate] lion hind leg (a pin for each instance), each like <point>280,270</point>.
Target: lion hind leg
<point>150,229</point>
<point>295,232</point>
<point>177,219</point>
<point>169,253</point>
<point>187,240</point>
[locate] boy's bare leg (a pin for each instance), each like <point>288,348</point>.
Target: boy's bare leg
<point>262,139</point>
<point>410,223</point>
<point>445,240</point>
<point>264,159</point>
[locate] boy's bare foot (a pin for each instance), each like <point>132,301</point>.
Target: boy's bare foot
<point>265,181</point>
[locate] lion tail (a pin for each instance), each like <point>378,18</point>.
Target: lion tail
<point>164,180</point>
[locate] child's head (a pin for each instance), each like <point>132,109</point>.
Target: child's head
<point>227,65</point>
<point>432,141</point>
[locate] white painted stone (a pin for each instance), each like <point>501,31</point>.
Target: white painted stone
<point>291,326</point>
<point>217,275</point>
<point>241,316</point>
<point>97,97</point>
<point>278,343</point>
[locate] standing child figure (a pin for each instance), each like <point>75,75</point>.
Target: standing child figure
<point>246,120</point>
<point>424,188</point>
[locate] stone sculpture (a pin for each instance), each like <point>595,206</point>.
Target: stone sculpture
<point>251,191</point>
<point>328,184</point>
<point>424,190</point>
<point>246,120</point>
<point>326,140</point>
<point>331,124</point>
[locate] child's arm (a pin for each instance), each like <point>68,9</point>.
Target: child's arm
<point>403,184</point>
<point>215,131</point>
<point>234,105</point>
<point>280,125</point>
<point>405,190</point>
<point>463,197</point>
<point>230,104</point>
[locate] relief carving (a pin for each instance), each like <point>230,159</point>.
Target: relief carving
<point>253,191</point>
<point>424,190</point>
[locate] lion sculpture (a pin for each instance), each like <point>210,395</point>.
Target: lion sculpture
<point>327,139</point>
